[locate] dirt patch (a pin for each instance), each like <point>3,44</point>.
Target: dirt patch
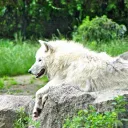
<point>22,85</point>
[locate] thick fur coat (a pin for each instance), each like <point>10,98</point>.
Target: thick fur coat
<point>70,63</point>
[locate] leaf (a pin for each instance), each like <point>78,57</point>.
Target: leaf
<point>2,10</point>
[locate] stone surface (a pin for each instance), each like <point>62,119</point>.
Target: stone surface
<point>62,102</point>
<point>9,104</point>
<point>66,100</point>
<point>124,56</point>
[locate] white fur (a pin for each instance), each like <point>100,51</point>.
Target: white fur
<point>70,63</point>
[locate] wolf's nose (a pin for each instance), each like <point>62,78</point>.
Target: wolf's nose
<point>29,71</point>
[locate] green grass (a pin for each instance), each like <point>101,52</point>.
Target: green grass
<point>16,59</point>
<point>113,48</point>
<point>7,82</point>
<point>44,79</point>
<point>13,81</point>
<point>1,83</point>
<point>32,79</point>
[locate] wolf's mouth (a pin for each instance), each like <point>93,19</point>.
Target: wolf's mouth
<point>40,73</point>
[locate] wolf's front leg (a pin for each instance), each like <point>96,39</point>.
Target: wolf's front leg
<point>41,97</point>
<point>39,104</point>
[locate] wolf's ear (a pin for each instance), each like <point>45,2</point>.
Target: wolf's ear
<point>41,42</point>
<point>48,47</point>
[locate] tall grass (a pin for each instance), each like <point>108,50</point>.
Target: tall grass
<point>113,48</point>
<point>16,59</point>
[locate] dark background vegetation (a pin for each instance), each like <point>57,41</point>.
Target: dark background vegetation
<point>98,24</point>
<point>45,18</point>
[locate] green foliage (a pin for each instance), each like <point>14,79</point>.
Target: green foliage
<point>113,48</point>
<point>98,29</point>
<point>42,18</point>
<point>1,83</point>
<point>44,79</point>
<point>91,118</point>
<point>13,81</point>
<point>6,82</point>
<point>36,124</point>
<point>16,59</point>
<point>18,37</point>
<point>23,120</point>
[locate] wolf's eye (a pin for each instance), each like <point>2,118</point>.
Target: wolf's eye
<point>39,60</point>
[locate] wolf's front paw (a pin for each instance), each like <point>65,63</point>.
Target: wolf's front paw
<point>37,112</point>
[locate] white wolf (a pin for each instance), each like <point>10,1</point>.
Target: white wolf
<point>70,63</point>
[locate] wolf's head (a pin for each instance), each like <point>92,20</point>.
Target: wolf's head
<point>39,67</point>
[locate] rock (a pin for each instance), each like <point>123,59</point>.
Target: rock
<point>124,56</point>
<point>62,102</point>
<point>9,104</point>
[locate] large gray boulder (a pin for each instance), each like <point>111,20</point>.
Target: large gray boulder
<point>124,56</point>
<point>62,102</point>
<point>9,105</point>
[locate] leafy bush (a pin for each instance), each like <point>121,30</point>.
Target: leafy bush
<point>98,29</point>
<point>42,18</point>
<point>23,120</point>
<point>91,118</point>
